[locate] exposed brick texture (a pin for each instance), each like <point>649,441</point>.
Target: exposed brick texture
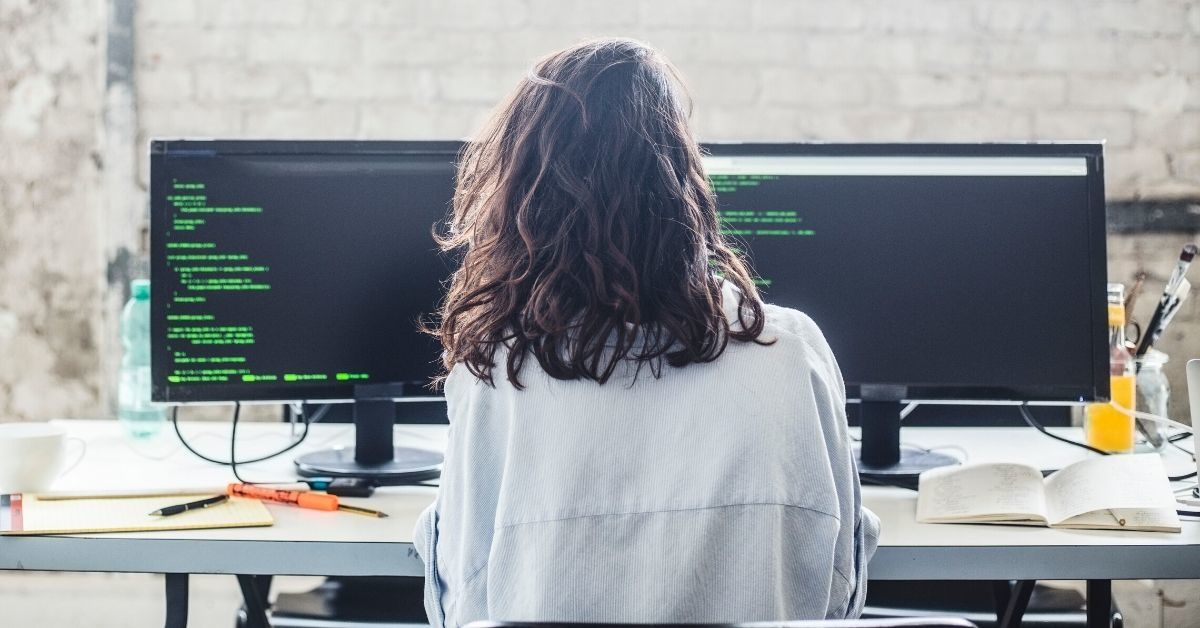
<point>1124,70</point>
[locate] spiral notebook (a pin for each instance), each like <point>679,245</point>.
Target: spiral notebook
<point>26,514</point>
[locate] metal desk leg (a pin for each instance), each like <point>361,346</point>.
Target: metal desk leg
<point>1018,601</point>
<point>1099,603</point>
<point>1001,593</point>
<point>177,600</point>
<point>255,592</point>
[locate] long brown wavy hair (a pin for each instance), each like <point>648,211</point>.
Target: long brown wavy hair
<point>587,228</point>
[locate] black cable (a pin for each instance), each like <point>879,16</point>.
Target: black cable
<point>232,462</point>
<point>1173,440</point>
<point>1191,454</point>
<point>1041,428</point>
<point>237,411</point>
<point>1174,443</point>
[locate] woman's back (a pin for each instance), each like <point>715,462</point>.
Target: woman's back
<point>634,435</point>
<point>720,492</point>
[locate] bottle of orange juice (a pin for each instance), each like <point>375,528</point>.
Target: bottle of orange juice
<point>1110,426</point>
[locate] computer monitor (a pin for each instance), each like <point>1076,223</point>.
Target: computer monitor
<point>300,270</point>
<point>938,273</point>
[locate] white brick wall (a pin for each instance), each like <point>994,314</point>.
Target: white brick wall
<point>1124,70</point>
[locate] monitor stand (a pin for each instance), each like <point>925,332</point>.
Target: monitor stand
<point>881,457</point>
<point>374,457</point>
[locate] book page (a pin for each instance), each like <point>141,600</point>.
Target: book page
<point>129,515</point>
<point>991,492</point>
<point>1127,481</point>
<point>1153,520</point>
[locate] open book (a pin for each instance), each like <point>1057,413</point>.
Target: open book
<point>1122,492</point>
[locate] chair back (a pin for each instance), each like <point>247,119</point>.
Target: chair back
<point>908,622</point>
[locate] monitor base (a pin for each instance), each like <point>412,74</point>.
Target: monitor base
<point>408,465</point>
<point>913,461</point>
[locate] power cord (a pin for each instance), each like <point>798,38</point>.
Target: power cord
<point>1024,408</point>
<point>1174,439</point>
<point>233,462</point>
<point>1041,428</point>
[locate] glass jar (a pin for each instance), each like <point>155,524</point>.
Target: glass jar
<point>1153,396</point>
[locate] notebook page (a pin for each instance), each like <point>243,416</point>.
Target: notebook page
<point>1134,481</point>
<point>133,515</point>
<point>980,491</point>
<point>1157,519</point>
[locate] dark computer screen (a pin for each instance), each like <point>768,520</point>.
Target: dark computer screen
<point>290,270</point>
<point>954,272</point>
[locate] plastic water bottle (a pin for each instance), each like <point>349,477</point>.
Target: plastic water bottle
<point>140,417</point>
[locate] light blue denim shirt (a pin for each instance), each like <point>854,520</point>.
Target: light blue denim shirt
<point>720,492</point>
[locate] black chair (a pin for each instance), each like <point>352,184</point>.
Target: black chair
<point>911,622</point>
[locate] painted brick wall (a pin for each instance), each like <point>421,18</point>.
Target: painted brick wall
<point>1124,70</point>
<point>1127,71</point>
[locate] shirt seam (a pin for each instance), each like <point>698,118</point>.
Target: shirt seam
<point>837,571</point>
<point>665,510</point>
<point>847,591</point>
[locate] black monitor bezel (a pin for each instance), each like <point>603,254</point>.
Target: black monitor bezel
<point>1091,152</point>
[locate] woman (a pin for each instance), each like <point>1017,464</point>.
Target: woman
<point>634,435</point>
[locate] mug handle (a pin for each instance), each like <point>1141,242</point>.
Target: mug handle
<point>79,458</point>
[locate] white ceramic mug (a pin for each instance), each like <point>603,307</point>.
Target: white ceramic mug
<point>33,456</point>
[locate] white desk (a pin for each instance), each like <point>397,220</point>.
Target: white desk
<point>306,542</point>
<point>302,542</point>
<point>918,551</point>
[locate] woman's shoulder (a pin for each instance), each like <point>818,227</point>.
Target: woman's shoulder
<point>790,321</point>
<point>789,326</point>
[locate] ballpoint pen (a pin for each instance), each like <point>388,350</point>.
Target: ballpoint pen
<point>167,511</point>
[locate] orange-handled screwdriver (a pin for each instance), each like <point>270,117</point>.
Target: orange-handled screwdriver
<point>303,499</point>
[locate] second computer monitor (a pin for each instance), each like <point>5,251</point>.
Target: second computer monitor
<point>935,271</point>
